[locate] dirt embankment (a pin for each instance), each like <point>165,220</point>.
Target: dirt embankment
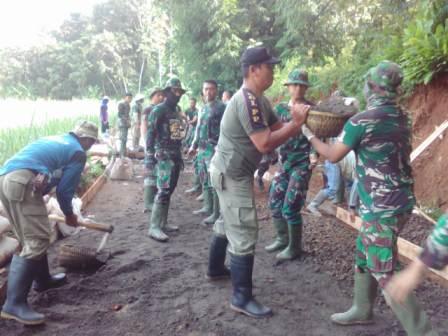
<point>428,106</point>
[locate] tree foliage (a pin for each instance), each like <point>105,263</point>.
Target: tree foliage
<point>133,45</point>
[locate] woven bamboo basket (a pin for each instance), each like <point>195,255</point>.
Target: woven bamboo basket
<point>325,124</point>
<point>73,257</point>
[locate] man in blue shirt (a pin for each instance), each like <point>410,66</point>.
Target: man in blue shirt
<point>55,161</point>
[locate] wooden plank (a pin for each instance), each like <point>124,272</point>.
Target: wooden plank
<point>407,251</point>
<point>438,131</point>
<point>425,216</point>
<point>90,194</point>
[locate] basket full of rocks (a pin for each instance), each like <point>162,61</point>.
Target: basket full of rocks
<point>327,119</point>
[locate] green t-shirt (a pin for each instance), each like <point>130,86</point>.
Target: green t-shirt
<point>236,154</point>
<point>381,139</point>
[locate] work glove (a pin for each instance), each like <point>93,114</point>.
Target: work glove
<point>307,132</point>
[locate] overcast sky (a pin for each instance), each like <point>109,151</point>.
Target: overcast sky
<point>22,22</point>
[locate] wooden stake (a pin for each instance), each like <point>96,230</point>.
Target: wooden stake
<point>438,131</point>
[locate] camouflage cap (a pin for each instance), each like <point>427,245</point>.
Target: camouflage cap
<point>387,75</point>
<point>154,90</point>
<point>298,76</point>
<point>86,129</point>
<point>174,83</point>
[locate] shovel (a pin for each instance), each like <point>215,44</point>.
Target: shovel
<point>83,257</point>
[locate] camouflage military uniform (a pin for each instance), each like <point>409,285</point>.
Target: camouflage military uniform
<point>137,109</point>
<point>163,144</point>
<point>381,139</point>
<point>124,123</point>
<point>191,113</point>
<point>164,138</point>
<point>435,251</point>
<point>207,138</point>
<point>150,180</point>
<point>287,194</point>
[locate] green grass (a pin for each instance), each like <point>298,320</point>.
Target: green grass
<point>14,139</point>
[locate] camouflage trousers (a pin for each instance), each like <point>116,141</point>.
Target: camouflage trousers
<point>376,247</point>
<point>26,212</point>
<point>196,165</point>
<point>190,136</point>
<point>435,251</point>
<point>135,134</point>
<point>204,158</point>
<point>123,133</point>
<point>150,179</point>
<point>167,172</point>
<point>287,194</point>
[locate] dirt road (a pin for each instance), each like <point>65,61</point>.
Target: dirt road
<point>150,288</point>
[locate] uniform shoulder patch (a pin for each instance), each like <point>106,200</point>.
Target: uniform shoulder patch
<point>253,107</point>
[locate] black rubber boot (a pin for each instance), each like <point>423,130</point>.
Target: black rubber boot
<point>44,280</point>
<point>242,299</point>
<point>216,259</point>
<point>21,274</point>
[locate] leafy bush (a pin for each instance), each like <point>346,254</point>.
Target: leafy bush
<point>425,44</point>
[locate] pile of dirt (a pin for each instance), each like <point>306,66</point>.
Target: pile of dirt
<point>428,107</point>
<point>338,105</point>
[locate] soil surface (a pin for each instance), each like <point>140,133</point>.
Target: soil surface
<point>151,288</point>
<point>428,107</point>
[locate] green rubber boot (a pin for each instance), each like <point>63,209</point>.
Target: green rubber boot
<point>294,248</point>
<point>411,316</point>
<point>281,241</point>
<point>158,218</point>
<point>149,193</point>
<point>364,294</point>
<point>200,198</point>
<point>165,226</point>
<point>207,206</point>
<point>210,220</point>
<point>196,185</point>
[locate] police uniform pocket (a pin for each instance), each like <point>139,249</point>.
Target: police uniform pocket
<point>217,179</point>
<point>15,187</point>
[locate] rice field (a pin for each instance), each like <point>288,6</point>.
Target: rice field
<point>25,121</point>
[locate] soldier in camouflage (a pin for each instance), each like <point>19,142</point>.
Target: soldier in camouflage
<point>192,115</point>
<point>124,122</point>
<point>137,109</point>
<point>164,155</point>
<point>434,255</point>
<point>192,120</point>
<point>287,194</point>
<point>381,140</point>
<point>206,138</point>
<point>156,96</point>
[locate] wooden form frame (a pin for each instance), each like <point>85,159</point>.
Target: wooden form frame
<point>407,251</point>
